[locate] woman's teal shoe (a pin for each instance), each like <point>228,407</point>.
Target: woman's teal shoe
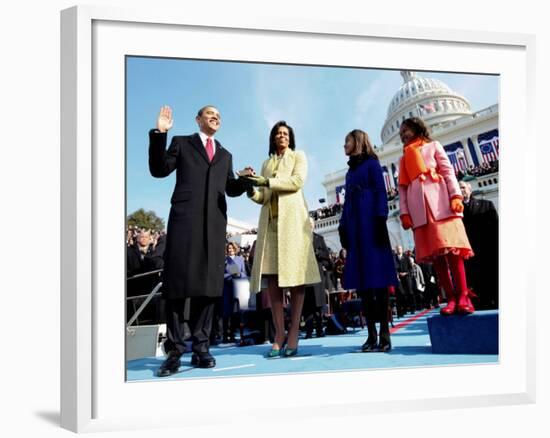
<point>273,353</point>
<point>289,352</point>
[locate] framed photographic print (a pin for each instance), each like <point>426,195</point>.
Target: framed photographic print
<point>119,67</point>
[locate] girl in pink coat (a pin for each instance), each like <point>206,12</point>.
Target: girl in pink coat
<point>431,204</point>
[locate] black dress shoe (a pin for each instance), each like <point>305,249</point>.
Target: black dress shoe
<point>203,360</point>
<point>308,335</point>
<point>171,365</point>
<point>384,347</point>
<point>320,334</point>
<point>369,347</point>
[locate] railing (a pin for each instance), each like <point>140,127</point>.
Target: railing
<point>493,109</point>
<point>331,222</point>
<point>148,297</point>
<point>145,274</point>
<point>487,111</point>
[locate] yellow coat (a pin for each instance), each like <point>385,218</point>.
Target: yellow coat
<point>297,263</point>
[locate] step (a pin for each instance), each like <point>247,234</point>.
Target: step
<point>476,333</point>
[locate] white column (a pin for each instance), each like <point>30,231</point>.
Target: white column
<point>466,149</point>
<point>477,149</point>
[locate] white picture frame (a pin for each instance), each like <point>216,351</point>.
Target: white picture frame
<point>94,397</point>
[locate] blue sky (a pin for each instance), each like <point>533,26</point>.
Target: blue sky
<point>322,104</point>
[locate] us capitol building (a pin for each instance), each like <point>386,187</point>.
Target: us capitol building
<point>469,138</point>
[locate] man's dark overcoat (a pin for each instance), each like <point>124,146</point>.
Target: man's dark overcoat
<point>196,233</point>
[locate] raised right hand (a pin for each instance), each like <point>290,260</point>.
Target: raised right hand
<point>165,120</point>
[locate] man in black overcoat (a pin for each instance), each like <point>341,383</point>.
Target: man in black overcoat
<point>194,254</point>
<point>481,223</point>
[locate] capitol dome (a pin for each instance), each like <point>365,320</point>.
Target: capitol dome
<point>429,99</point>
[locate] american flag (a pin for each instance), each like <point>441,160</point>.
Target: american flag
<point>489,149</point>
<point>457,159</point>
<point>340,194</point>
<point>427,107</point>
<point>387,179</point>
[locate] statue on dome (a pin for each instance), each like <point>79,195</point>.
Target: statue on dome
<point>408,75</point>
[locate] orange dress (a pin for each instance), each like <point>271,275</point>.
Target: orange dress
<point>437,238</point>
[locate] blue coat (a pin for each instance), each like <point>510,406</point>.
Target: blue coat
<point>369,264</point>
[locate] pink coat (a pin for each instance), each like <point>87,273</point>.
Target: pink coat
<point>438,195</point>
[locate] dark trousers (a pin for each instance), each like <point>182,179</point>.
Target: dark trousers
<point>312,313</point>
<point>201,313</point>
<point>217,320</point>
<point>264,319</point>
<point>418,297</point>
<point>231,314</point>
<point>312,320</point>
<point>400,300</point>
<point>409,303</point>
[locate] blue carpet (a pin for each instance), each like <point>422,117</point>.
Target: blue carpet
<point>411,348</point>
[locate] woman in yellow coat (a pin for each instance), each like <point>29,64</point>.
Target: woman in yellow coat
<point>284,247</point>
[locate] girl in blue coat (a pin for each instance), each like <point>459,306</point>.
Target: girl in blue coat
<point>369,265</point>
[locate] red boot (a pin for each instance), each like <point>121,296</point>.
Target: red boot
<point>450,308</point>
<point>464,303</point>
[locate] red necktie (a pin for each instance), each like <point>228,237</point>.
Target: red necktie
<point>209,149</point>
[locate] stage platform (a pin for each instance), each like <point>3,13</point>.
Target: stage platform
<point>410,341</point>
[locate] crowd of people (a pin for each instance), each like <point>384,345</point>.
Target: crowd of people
<point>392,194</point>
<point>326,211</point>
<point>251,232</point>
<point>144,264</point>
<point>485,168</point>
<point>144,249</point>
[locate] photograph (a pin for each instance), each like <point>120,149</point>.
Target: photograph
<point>316,214</point>
<point>295,218</point>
